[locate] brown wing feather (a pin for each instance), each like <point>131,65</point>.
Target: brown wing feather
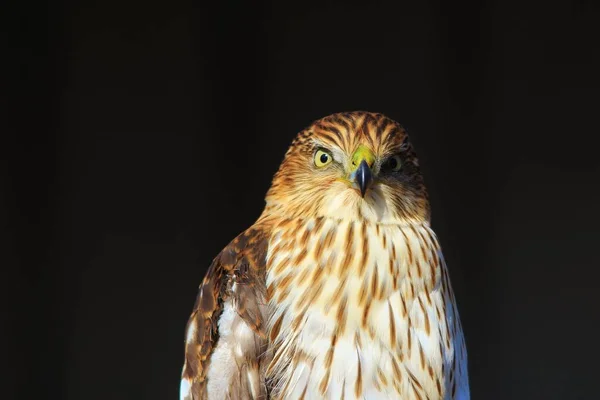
<point>241,262</point>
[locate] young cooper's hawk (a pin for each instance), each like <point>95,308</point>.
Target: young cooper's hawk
<point>339,290</point>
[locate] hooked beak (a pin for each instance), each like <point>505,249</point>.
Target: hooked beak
<point>362,162</point>
<point>363,177</point>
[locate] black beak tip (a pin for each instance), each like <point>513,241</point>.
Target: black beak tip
<point>363,177</point>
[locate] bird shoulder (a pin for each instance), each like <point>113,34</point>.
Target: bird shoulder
<point>235,281</point>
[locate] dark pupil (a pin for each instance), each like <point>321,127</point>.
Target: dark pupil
<point>392,163</point>
<point>324,158</point>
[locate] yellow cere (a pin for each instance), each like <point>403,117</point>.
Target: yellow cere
<point>362,153</point>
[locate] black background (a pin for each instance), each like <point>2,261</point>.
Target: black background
<point>140,137</point>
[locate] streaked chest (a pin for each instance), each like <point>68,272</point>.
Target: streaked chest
<point>358,310</point>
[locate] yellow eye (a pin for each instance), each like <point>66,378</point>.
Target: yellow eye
<point>394,163</point>
<point>322,158</point>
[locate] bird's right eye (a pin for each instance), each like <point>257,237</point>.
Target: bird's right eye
<point>322,158</point>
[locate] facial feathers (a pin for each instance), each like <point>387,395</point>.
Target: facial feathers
<point>301,187</point>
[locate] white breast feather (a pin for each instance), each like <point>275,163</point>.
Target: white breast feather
<point>314,336</point>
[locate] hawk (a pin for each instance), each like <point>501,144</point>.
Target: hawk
<point>339,290</point>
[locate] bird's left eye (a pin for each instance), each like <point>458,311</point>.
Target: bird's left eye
<point>322,158</point>
<point>394,163</point>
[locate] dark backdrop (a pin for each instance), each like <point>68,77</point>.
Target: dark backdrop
<point>140,137</point>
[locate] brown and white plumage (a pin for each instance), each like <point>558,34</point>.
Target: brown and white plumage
<point>340,289</point>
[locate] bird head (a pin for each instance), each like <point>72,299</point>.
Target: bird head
<point>356,165</point>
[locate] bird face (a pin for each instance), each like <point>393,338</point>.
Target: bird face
<point>351,166</point>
